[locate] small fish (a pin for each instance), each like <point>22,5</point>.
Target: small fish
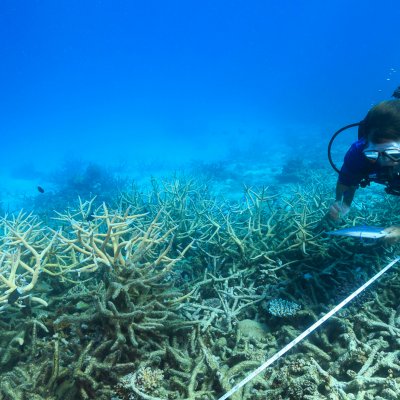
<point>90,217</point>
<point>362,232</point>
<point>14,296</point>
<point>40,189</point>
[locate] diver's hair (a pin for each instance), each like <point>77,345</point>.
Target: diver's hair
<point>382,122</point>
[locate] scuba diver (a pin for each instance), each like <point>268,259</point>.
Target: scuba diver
<point>374,157</point>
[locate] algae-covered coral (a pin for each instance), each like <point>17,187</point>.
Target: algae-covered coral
<point>164,294</point>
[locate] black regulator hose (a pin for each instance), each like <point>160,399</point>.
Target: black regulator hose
<point>332,140</point>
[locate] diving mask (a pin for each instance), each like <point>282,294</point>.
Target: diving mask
<point>390,151</point>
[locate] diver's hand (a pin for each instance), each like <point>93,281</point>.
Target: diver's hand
<point>338,210</point>
<point>392,234</point>
<point>332,218</point>
<point>326,224</point>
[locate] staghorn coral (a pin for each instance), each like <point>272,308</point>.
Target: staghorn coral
<point>117,302</point>
<point>25,250</point>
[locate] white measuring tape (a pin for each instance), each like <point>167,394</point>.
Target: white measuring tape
<point>306,332</point>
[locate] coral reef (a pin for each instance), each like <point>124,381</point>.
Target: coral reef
<point>174,293</point>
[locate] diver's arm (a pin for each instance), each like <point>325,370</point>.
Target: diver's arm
<point>345,193</point>
<point>344,198</point>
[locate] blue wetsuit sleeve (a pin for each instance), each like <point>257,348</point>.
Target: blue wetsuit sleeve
<point>355,166</point>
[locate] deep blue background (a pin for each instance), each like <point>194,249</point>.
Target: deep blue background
<point>126,80</point>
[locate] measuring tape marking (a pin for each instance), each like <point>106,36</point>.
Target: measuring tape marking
<point>299,338</point>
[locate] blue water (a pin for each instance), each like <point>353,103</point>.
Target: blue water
<point>127,82</point>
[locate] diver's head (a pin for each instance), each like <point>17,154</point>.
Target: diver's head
<point>382,123</point>
<point>382,133</point>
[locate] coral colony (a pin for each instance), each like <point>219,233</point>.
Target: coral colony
<point>283,308</point>
<point>176,293</point>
